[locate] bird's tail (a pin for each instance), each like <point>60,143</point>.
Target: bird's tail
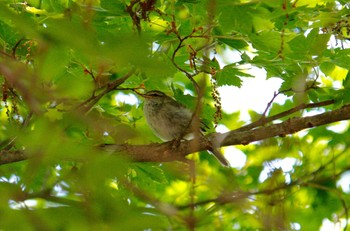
<point>219,156</point>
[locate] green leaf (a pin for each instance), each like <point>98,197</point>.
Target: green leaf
<point>115,7</point>
<point>64,64</point>
<point>234,43</point>
<point>313,44</point>
<point>230,76</point>
<point>235,17</point>
<point>269,41</point>
<point>152,173</point>
<point>346,81</point>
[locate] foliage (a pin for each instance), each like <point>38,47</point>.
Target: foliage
<point>67,65</point>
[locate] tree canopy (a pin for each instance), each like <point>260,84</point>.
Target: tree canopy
<point>77,154</point>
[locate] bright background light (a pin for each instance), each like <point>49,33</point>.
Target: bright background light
<point>254,94</point>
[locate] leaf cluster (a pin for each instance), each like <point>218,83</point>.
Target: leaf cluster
<point>71,72</point>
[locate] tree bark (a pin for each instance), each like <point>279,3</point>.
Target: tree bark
<point>165,152</point>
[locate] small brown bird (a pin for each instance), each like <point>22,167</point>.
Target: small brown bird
<point>170,119</point>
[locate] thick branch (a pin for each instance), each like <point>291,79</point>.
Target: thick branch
<point>165,152</point>
<point>289,126</point>
<point>7,156</point>
<point>264,120</point>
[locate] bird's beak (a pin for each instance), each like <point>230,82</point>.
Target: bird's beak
<point>140,94</point>
<point>145,96</point>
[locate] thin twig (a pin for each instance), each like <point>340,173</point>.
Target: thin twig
<point>6,54</point>
<point>90,102</point>
<point>265,120</point>
<point>232,197</point>
<point>191,219</point>
<point>14,49</point>
<point>135,18</point>
<point>178,47</point>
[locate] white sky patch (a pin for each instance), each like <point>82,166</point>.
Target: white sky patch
<point>232,56</point>
<point>344,182</point>
<point>335,43</point>
<point>222,128</point>
<point>286,164</point>
<point>339,127</point>
<point>235,157</point>
<point>328,225</point>
<point>126,98</point>
<point>295,226</point>
<point>254,94</point>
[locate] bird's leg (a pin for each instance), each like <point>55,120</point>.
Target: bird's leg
<point>175,143</point>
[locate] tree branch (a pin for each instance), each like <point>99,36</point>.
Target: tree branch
<point>289,126</point>
<point>89,103</point>
<point>164,152</point>
<point>9,156</point>
<point>264,120</point>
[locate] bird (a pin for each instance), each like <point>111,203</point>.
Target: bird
<point>171,120</point>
